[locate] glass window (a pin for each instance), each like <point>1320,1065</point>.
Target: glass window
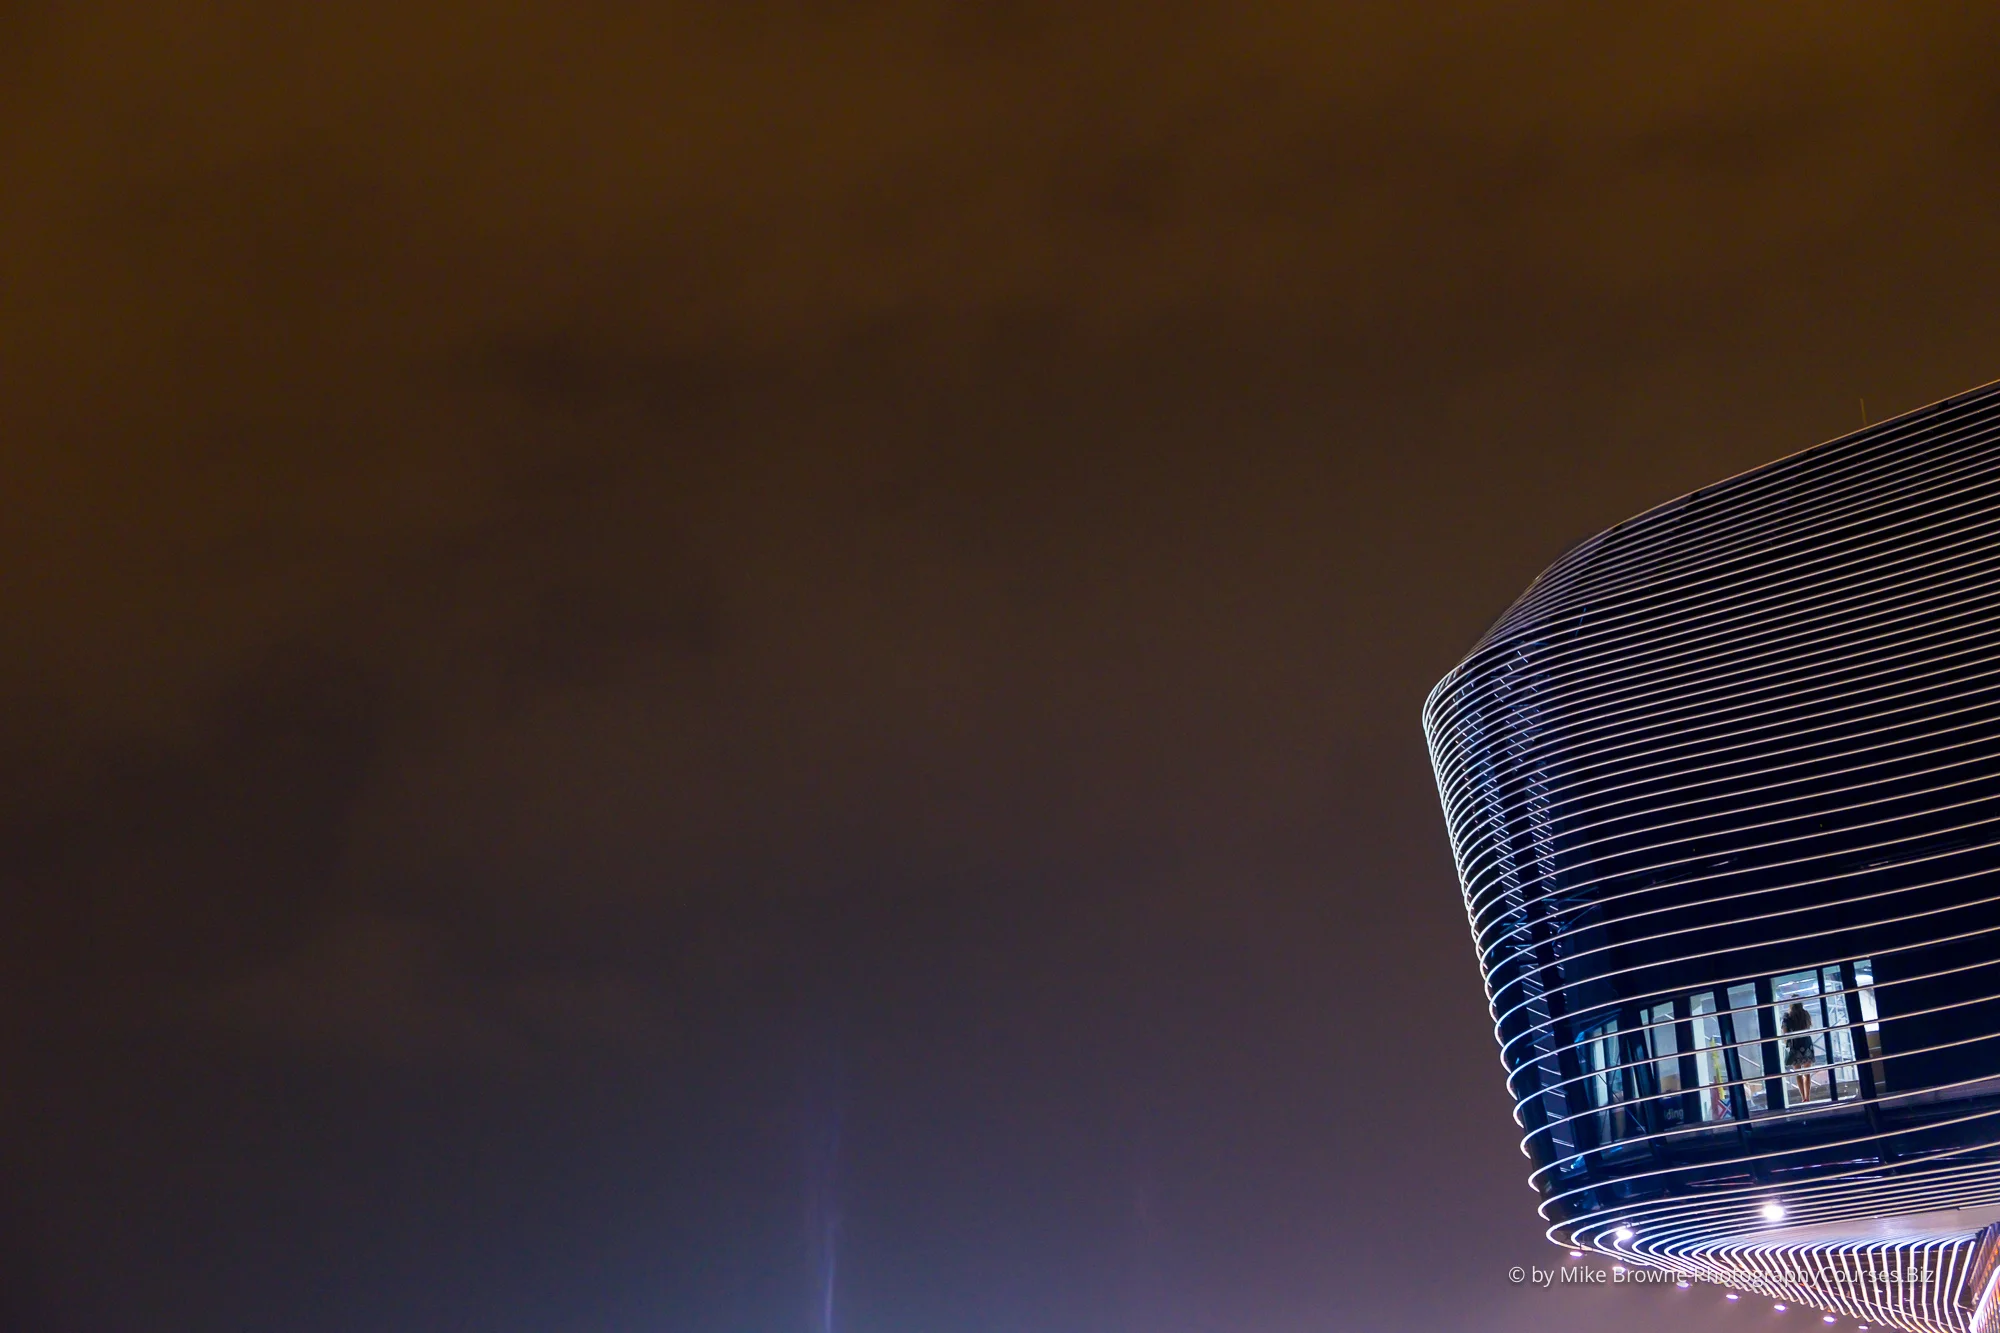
<point>1871,1021</point>
<point>1839,1036</point>
<point>1605,1081</point>
<point>1665,1050</point>
<point>1711,1067</point>
<point>1749,1050</point>
<point>1633,1080</point>
<point>1800,1019</point>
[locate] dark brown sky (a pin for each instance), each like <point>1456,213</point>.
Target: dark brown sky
<point>629,628</point>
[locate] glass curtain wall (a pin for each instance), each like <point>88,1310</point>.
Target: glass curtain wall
<point>1799,1033</point>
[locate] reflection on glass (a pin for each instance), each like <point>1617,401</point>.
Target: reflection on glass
<point>1605,1085</point>
<point>1666,1062</point>
<point>1840,1040</point>
<point>1711,1069</point>
<point>1871,1022</point>
<point>1749,1053</point>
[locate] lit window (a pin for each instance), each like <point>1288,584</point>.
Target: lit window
<point>1711,1064</point>
<point>1745,1015</point>
<point>1658,1035</point>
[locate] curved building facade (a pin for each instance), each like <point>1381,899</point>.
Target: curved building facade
<point>1723,789</point>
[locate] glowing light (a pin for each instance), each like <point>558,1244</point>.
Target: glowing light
<point>1682,1284</point>
<point>1773,1211</point>
<point>1826,1319</point>
<point>1732,1296</point>
<point>1779,1307</point>
<point>1576,1254</point>
<point>1623,1233</point>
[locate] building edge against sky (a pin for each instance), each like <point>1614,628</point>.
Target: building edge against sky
<point>1723,791</point>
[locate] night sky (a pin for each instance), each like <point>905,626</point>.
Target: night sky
<point>659,656</point>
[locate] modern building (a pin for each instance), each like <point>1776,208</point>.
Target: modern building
<point>1723,788</point>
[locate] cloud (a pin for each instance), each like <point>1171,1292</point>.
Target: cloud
<point>712,440</point>
<point>389,988</point>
